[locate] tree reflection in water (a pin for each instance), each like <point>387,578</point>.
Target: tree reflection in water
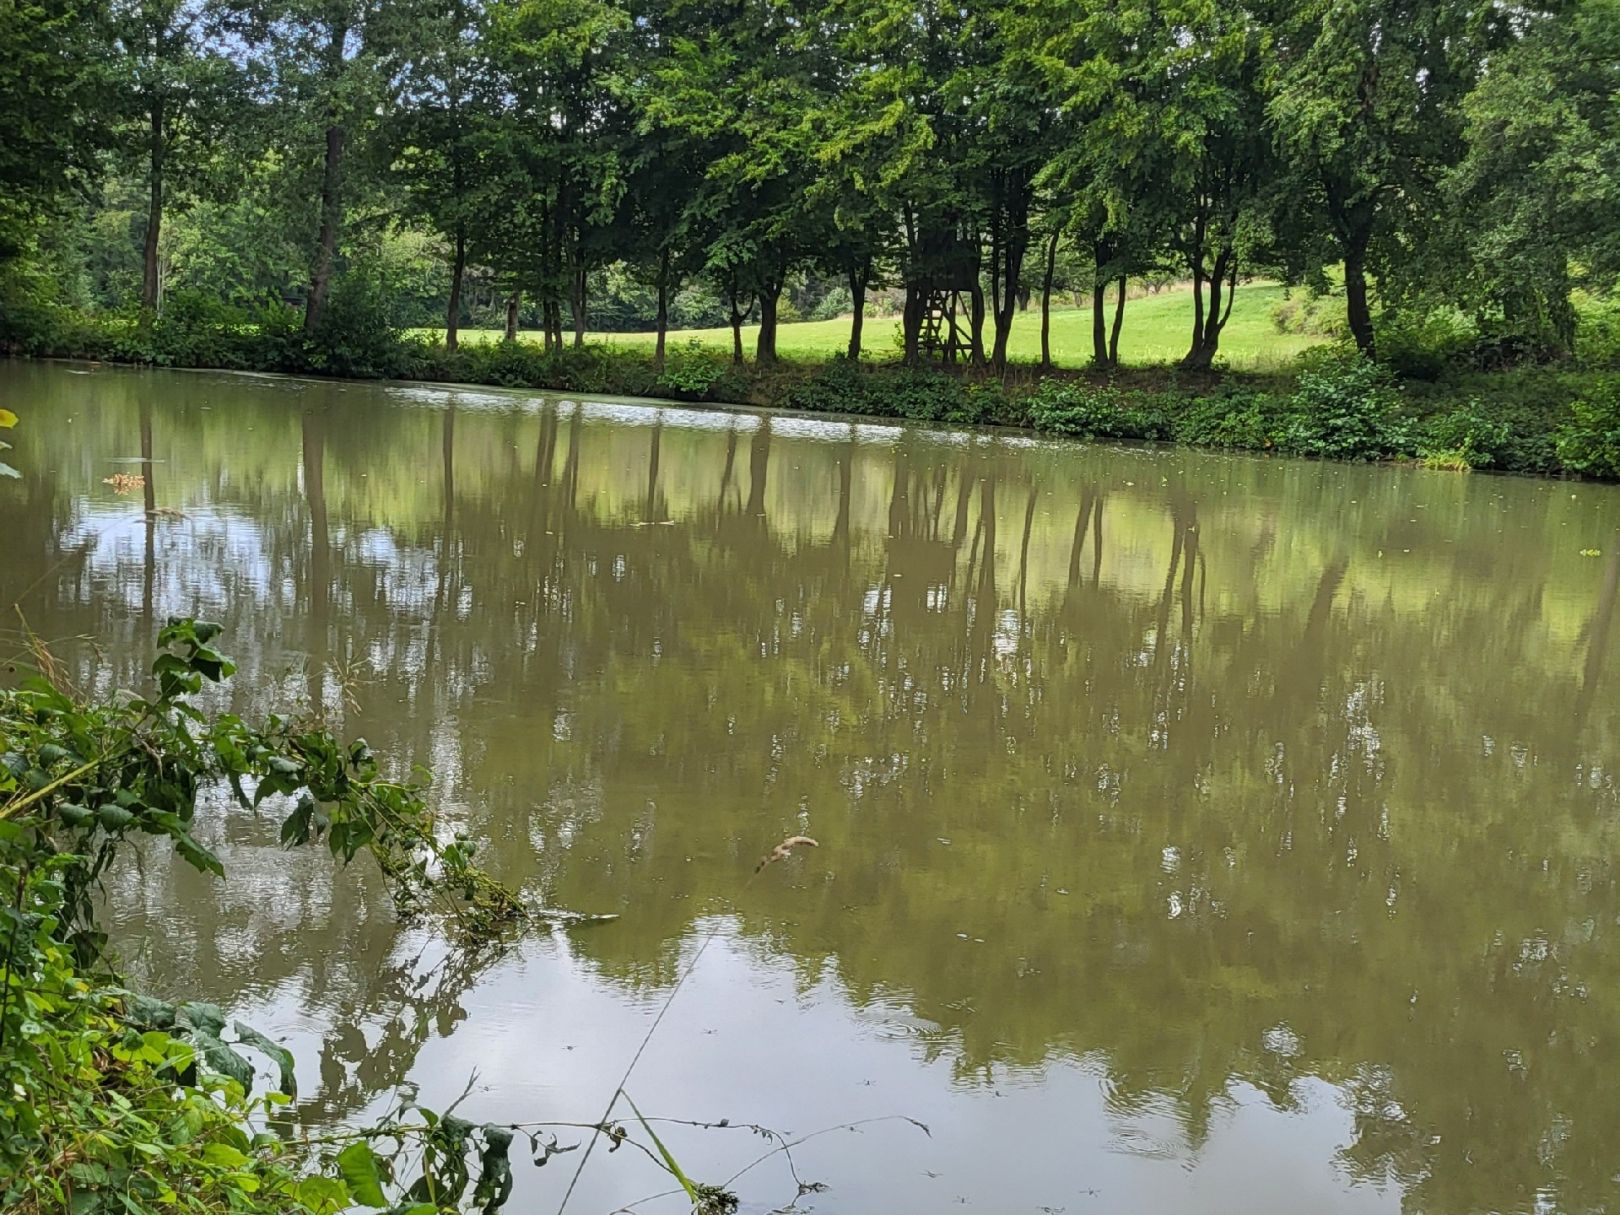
<point>1287,772</point>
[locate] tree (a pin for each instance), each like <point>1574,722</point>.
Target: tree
<point>1016,119</point>
<point>741,94</point>
<point>1366,115</point>
<point>557,178</point>
<point>329,61</point>
<point>1109,166</point>
<point>443,101</point>
<point>181,90</point>
<point>1538,192</point>
<point>54,90</point>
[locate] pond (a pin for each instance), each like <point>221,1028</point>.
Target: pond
<point>1196,833</point>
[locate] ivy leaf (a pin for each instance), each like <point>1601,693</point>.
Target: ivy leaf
<point>222,1059</point>
<point>279,1055</point>
<point>202,1016</point>
<point>146,1011</point>
<point>358,1165</point>
<point>495,1170</point>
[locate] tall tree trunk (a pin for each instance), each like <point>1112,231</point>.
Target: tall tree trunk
<point>911,324</point>
<point>1355,293</point>
<point>857,296</point>
<point>577,301</point>
<point>320,282</point>
<point>737,314</point>
<point>1099,323</point>
<point>458,270</point>
<point>663,307</point>
<point>1222,280</point>
<point>1009,269</point>
<point>512,302</point>
<point>1198,312</point>
<point>1046,301</point>
<point>976,321</point>
<point>151,278</point>
<point>320,279</point>
<point>1119,322</point>
<point>765,342</point>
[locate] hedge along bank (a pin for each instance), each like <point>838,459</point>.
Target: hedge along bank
<point>1554,419</point>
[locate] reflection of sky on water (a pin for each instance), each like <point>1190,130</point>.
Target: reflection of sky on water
<point>749,1041</point>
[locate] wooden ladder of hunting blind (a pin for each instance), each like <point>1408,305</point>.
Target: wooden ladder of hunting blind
<point>940,334</point>
<point>948,266</point>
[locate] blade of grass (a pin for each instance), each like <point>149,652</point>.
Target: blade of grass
<point>669,1160</point>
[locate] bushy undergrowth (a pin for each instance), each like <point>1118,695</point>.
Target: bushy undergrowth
<point>1589,441</point>
<point>1425,400</point>
<point>113,1103</point>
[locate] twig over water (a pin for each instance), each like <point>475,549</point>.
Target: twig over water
<point>781,852</point>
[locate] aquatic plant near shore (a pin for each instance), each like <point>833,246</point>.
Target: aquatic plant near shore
<point>113,1101</point>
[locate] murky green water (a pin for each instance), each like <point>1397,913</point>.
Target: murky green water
<point>1198,834</point>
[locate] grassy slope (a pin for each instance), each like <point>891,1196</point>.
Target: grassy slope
<point>1156,330</point>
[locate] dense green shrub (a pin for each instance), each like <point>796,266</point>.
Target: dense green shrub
<point>35,323</point>
<point>196,330</point>
<point>691,371</point>
<point>1312,314</point>
<point>1249,421</point>
<point>1421,346</point>
<point>355,335</point>
<point>118,1104</point>
<point>1589,441</point>
<point>1346,407</point>
<point>1341,406</point>
<point>1091,411</point>
<point>837,302</point>
<point>1466,435</point>
<point>844,386</point>
<point>1597,333</point>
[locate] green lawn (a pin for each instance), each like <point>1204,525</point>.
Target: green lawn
<point>1157,330</point>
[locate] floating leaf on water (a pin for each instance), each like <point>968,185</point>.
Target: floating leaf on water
<point>785,849</point>
<point>1591,552</point>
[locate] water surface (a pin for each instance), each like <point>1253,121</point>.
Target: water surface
<point>1198,833</point>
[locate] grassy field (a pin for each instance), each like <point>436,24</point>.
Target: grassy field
<point>1157,330</point>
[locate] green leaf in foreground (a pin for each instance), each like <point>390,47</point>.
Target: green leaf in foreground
<point>279,1055</point>
<point>358,1165</point>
